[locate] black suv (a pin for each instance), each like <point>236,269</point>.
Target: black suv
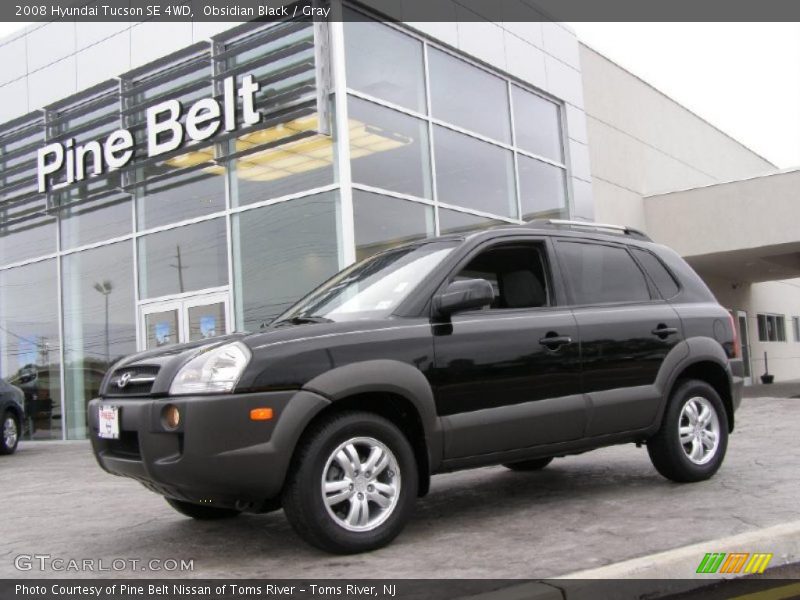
<point>509,346</point>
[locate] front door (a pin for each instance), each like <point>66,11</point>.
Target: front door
<point>508,377</point>
<point>185,319</point>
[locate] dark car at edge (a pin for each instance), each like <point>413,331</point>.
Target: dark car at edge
<point>513,346</point>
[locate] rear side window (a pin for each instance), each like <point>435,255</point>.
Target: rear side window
<point>663,279</point>
<point>598,274</point>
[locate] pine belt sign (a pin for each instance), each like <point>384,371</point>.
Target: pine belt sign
<point>165,132</point>
<point>251,88</point>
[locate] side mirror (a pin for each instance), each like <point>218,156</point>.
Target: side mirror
<point>463,295</point>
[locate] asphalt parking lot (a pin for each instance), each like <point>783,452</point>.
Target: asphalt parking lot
<point>581,512</point>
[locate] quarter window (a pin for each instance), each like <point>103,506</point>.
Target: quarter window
<point>599,274</point>
<point>663,279</point>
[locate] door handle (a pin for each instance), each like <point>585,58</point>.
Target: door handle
<point>553,342</point>
<point>663,331</point>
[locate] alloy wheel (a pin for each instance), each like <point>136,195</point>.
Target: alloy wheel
<point>699,430</point>
<point>10,432</point>
<point>361,484</point>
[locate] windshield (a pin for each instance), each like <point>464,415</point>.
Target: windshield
<point>372,288</point>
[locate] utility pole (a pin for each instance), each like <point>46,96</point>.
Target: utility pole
<point>180,267</point>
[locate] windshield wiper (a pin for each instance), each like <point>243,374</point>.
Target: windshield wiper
<point>303,319</point>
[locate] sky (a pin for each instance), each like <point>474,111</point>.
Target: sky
<point>744,78</point>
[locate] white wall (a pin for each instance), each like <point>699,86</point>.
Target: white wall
<point>642,142</point>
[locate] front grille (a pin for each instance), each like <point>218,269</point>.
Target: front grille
<point>126,446</point>
<point>132,381</point>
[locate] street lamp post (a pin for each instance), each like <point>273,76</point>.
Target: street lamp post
<point>105,288</point>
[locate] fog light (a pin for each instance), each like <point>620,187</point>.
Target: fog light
<point>172,416</point>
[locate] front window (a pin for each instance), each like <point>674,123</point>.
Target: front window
<point>372,288</point>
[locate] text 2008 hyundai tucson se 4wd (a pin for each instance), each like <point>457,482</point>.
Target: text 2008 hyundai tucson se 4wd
<point>510,346</point>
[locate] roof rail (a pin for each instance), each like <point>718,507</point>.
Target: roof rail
<point>623,229</point>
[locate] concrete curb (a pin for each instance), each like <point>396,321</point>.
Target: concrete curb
<point>669,572</point>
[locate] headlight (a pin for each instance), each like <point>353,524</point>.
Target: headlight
<point>214,371</point>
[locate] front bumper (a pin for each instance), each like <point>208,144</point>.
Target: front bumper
<point>217,455</point>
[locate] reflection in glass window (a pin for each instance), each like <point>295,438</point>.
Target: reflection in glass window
<point>26,232</point>
<point>542,189</point>
<point>464,95</point>
<point>474,174</point>
<point>382,222</point>
<point>453,221</point>
<point>192,192</point>
<point>302,162</point>
<point>281,252</point>
<point>184,259</point>
<point>383,62</point>
<point>29,345</point>
<point>95,220</point>
<point>389,149</point>
<point>537,124</point>
<point>99,323</point>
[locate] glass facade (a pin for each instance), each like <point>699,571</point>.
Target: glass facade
<point>225,233</point>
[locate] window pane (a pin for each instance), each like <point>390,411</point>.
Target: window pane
<point>663,279</point>
<point>185,196</point>
<point>183,259</point>
<point>762,328</point>
<point>467,96</point>
<point>598,274</point>
<point>389,149</point>
<point>29,344</point>
<point>281,253</point>
<point>383,62</point>
<point>382,222</point>
<point>292,167</point>
<point>517,274</point>
<point>542,189</point>
<point>95,221</point>
<point>26,234</point>
<point>780,325</point>
<point>453,221</point>
<point>474,174</point>
<point>99,323</point>
<point>537,124</point>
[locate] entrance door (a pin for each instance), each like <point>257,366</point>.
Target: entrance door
<point>744,342</point>
<point>185,319</point>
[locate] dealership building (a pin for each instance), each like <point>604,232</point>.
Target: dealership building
<point>165,182</point>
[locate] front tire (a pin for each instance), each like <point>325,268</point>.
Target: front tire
<point>352,484</point>
<point>691,444</point>
<point>536,464</point>
<point>9,435</point>
<point>201,512</point>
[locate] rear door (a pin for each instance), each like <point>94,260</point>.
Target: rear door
<point>507,377</point>
<point>626,330</point>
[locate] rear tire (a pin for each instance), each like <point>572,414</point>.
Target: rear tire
<point>201,512</point>
<point>691,444</point>
<point>537,464</point>
<point>352,483</point>
<point>9,433</point>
